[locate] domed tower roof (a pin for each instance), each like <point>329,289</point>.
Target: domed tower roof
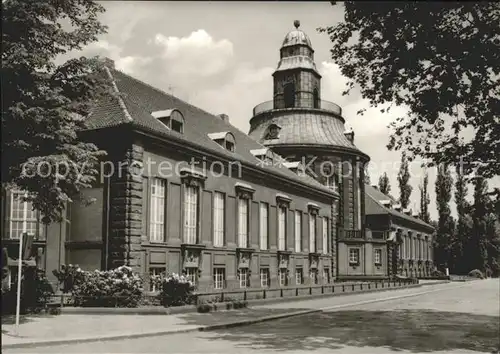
<point>296,37</point>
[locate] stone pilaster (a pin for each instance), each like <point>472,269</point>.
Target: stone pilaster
<point>126,197</point>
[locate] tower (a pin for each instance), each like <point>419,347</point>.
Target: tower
<point>300,126</point>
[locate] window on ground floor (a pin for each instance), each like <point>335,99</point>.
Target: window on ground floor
<point>155,276</point>
<point>264,277</point>
<point>244,278</point>
<point>299,276</point>
<point>219,278</point>
<point>192,275</point>
<point>22,217</point>
<point>326,275</point>
<point>283,277</point>
<point>353,256</point>
<point>314,276</point>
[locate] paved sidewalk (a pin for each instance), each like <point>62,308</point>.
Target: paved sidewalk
<point>37,330</point>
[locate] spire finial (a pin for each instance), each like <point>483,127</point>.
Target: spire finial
<point>296,23</point>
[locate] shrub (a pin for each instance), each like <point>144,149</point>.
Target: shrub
<point>204,308</point>
<point>476,273</point>
<point>36,292</point>
<point>437,273</point>
<point>119,287</point>
<point>176,290</point>
<point>229,305</point>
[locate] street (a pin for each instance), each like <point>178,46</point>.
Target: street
<point>458,318</point>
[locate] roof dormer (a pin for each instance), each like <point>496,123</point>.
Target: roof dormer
<point>224,139</point>
<point>171,118</point>
<point>265,155</point>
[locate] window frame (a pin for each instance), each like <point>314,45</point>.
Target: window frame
<point>264,227</point>
<point>264,271</point>
<point>219,278</point>
<point>357,250</point>
<point>299,271</point>
<point>187,237</point>
<point>377,251</point>
<point>151,213</point>
<point>243,219</point>
<point>24,220</point>
<point>298,231</point>
<point>219,235</point>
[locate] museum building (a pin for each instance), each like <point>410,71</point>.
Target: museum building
<point>184,191</point>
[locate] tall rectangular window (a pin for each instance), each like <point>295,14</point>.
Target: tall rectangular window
<point>192,275</point>
<point>283,277</point>
<point>242,223</point>
<point>191,214</point>
<point>313,275</point>
<point>22,217</point>
<point>244,279</point>
<point>298,231</point>
<point>264,226</point>
<point>219,278</point>
<point>264,277</point>
<point>219,211</point>
<point>281,228</point>
<point>299,276</point>
<point>312,233</point>
<point>325,235</point>
<point>326,275</point>
<point>157,212</point>
<point>378,256</point>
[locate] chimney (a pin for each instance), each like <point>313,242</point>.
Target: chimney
<point>375,186</point>
<point>415,215</point>
<point>349,134</point>
<point>407,212</point>
<point>224,117</point>
<point>397,207</point>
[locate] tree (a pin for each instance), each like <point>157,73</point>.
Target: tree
<point>444,232</point>
<point>424,199</point>
<point>477,246</point>
<point>384,184</point>
<point>493,243</point>
<point>43,104</point>
<point>441,61</point>
<point>464,223</point>
<point>405,188</point>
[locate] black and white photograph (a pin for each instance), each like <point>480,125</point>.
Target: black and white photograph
<point>226,177</point>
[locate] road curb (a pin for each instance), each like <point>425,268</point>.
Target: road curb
<point>194,328</point>
<point>50,342</point>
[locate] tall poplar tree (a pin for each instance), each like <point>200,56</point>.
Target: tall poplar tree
<point>405,188</point>
<point>424,198</point>
<point>476,252</point>
<point>464,222</point>
<point>444,232</point>
<point>384,184</point>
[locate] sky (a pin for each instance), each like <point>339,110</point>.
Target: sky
<point>220,56</point>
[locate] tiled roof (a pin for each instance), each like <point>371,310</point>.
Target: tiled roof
<point>141,99</point>
<point>373,207</point>
<point>304,127</point>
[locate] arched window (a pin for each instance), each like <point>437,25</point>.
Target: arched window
<point>289,95</point>
<point>315,98</point>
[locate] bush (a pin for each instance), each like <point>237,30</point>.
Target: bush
<point>476,273</point>
<point>176,290</point>
<point>204,308</point>
<point>36,292</point>
<point>437,273</point>
<point>119,287</point>
<point>229,305</point>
